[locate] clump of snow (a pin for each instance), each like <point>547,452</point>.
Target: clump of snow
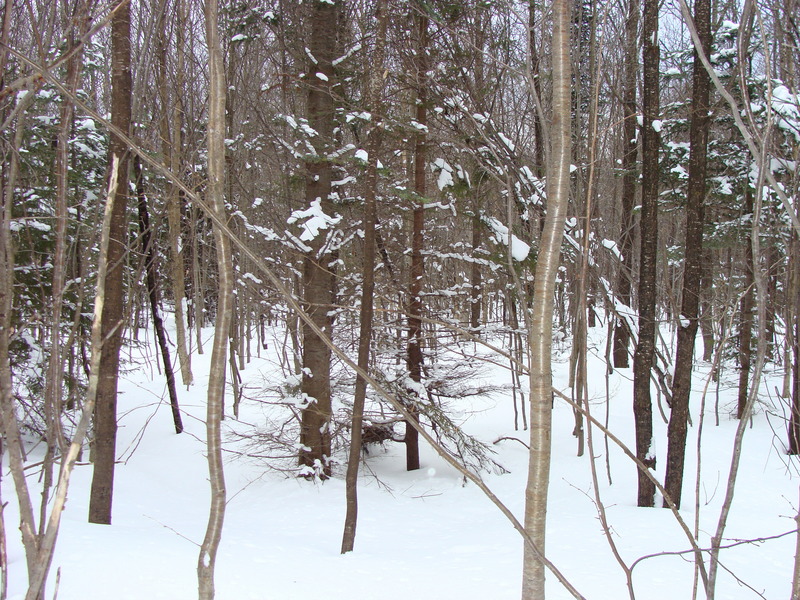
<point>519,249</point>
<point>445,173</point>
<point>312,220</point>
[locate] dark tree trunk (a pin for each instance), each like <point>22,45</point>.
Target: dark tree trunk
<point>374,104</point>
<point>105,423</point>
<point>414,356</point>
<point>746,319</point>
<point>154,293</point>
<point>648,226</point>
<point>794,299</point>
<point>319,279</point>
<point>538,135</point>
<point>692,263</point>
<point>625,278</point>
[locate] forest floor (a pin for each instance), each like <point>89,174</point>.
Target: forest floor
<point>423,534</point>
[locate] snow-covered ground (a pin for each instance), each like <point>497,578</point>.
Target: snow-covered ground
<point>422,534</point>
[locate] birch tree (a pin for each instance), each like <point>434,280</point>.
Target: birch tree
<point>216,377</point>
<point>541,322</point>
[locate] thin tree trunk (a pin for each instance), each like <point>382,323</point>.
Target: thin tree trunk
<point>172,139</point>
<point>541,323</point>
<point>629,158</point>
<point>373,104</point>
<point>154,293</point>
<point>216,378</point>
<point>746,311</point>
<point>648,226</point>
<point>692,264</point>
<point>794,325</point>
<point>105,426</point>
<point>414,358</point>
<point>10,426</point>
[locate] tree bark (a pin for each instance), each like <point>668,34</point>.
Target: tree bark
<point>172,142</point>
<point>105,425</point>
<point>154,293</point>
<point>794,290</point>
<point>648,226</point>
<point>319,279</point>
<point>414,357</point>
<point>692,263</point>
<point>374,105</point>
<point>216,378</point>
<point>12,441</point>
<point>746,312</point>
<point>629,179</point>
<point>540,323</point>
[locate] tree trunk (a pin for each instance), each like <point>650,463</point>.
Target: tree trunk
<point>12,441</point>
<point>414,358</point>
<point>541,323</point>
<point>105,426</point>
<point>319,279</point>
<point>216,377</point>
<point>172,140</point>
<point>154,293</point>
<point>746,311</point>
<point>629,178</point>
<point>374,105</point>
<point>648,228</point>
<point>794,300</point>
<point>692,263</point>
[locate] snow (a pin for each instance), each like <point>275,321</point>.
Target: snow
<point>423,534</point>
<point>506,142</point>
<point>787,105</point>
<point>313,220</point>
<point>445,173</point>
<point>519,249</point>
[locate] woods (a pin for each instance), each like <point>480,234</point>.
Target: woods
<point>394,211</point>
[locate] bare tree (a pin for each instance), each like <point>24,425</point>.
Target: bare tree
<point>172,142</point>
<point>373,104</point>
<point>216,378</point>
<point>105,440</point>
<point>541,322</point>
<point>319,278</point>
<point>648,227</point>
<point>414,356</point>
<point>692,264</point>
<point>629,177</point>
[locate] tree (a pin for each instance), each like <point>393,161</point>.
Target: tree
<point>692,264</point>
<point>319,277</point>
<point>216,379</point>
<point>414,356</point>
<point>648,230</point>
<point>629,177</point>
<point>105,440</point>
<point>373,103</point>
<point>541,323</point>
